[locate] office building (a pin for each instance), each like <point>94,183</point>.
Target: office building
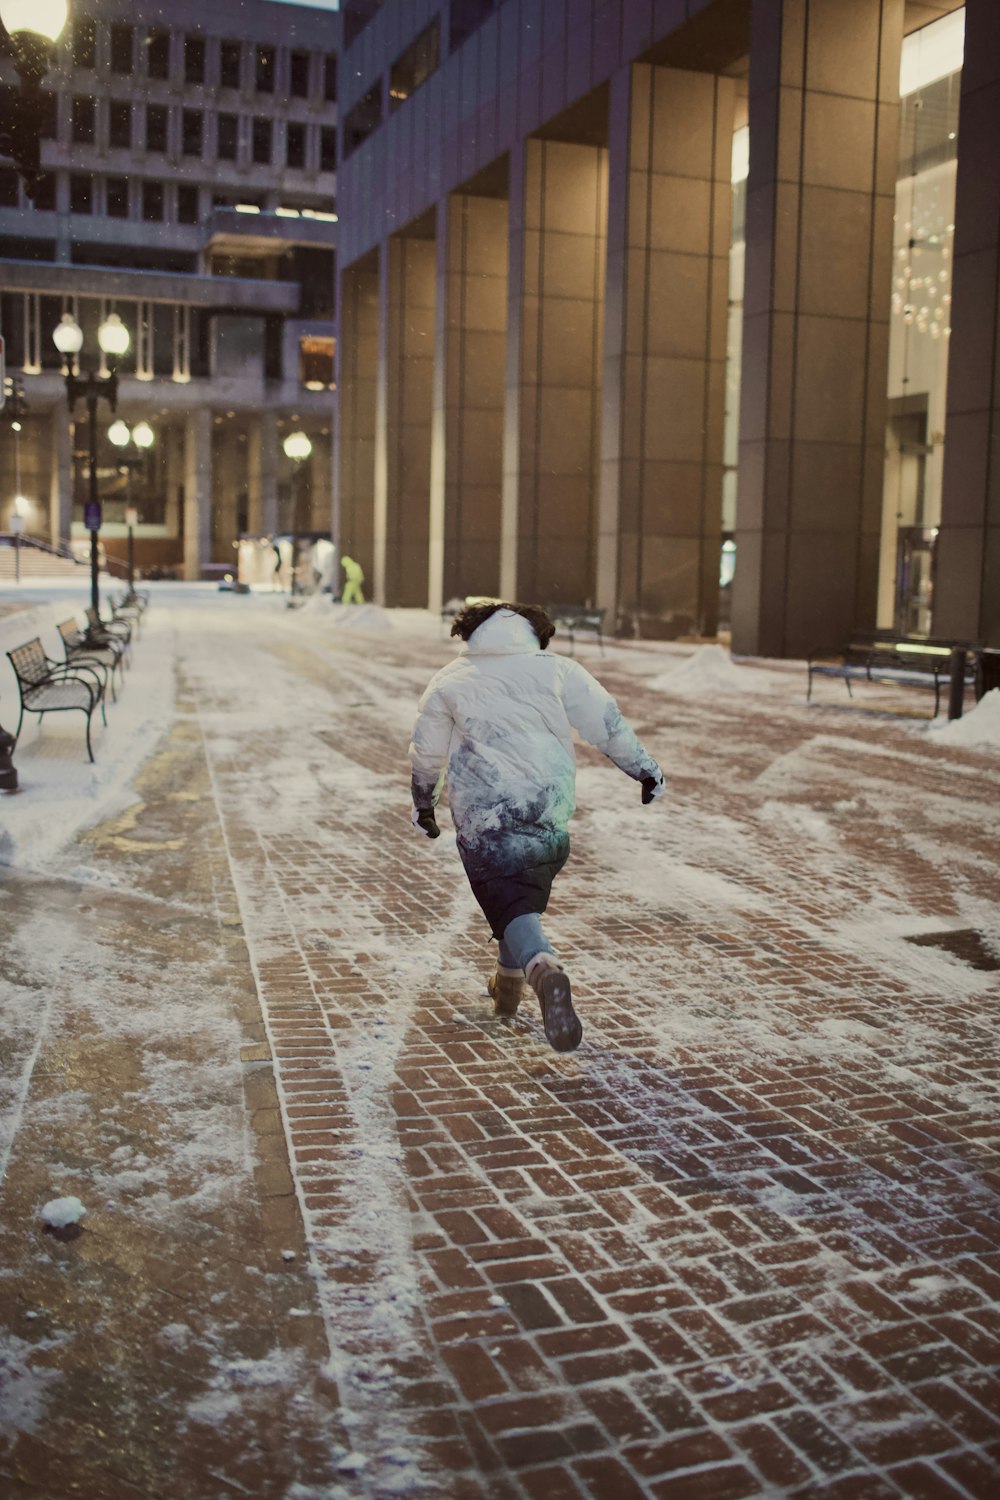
<point>636,292</point>
<point>190,186</point>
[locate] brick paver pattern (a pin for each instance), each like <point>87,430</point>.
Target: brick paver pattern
<point>745,1241</point>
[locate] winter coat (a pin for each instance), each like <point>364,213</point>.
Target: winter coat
<point>498,722</point>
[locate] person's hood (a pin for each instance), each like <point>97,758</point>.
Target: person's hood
<point>504,633</point>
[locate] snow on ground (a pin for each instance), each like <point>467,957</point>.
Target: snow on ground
<point>60,791</point>
<point>267,672</point>
<point>978,729</point>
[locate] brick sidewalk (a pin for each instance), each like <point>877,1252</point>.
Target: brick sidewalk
<point>745,1241</point>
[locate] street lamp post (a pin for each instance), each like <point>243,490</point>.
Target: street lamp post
<point>113,338</point>
<point>143,437</point>
<point>33,26</point>
<point>298,447</point>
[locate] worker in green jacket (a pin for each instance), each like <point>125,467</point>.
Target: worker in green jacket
<point>355,578</point>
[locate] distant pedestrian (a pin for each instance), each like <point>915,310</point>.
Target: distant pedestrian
<point>355,578</point>
<point>497,724</point>
<point>278,563</point>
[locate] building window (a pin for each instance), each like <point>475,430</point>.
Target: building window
<point>360,121</point>
<point>121,48</point>
<point>187,204</point>
<point>327,149</point>
<point>158,54</point>
<point>262,142</point>
<point>10,196</point>
<point>466,17</point>
<point>316,362</point>
<point>152,202</point>
<point>194,59</point>
<point>330,77</point>
<point>82,119</point>
<point>117,196</point>
<point>230,54</point>
<point>414,66</point>
<point>45,193</point>
<point>265,70</point>
<point>156,127</point>
<point>120,124</point>
<point>84,42</point>
<point>81,193</point>
<point>298,75</point>
<point>227,138</point>
<point>295,145</point>
<point>192,132</point>
<point>48,125</point>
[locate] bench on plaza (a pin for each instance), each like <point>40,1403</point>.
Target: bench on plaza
<point>102,631</point>
<point>127,607</point>
<point>78,647</point>
<point>890,662</point>
<point>48,687</point>
<point>576,617</point>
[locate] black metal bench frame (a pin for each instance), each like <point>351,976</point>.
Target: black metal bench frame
<point>79,648</point>
<point>36,672</point>
<point>575,617</point>
<point>923,665</point>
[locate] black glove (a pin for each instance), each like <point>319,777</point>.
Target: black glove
<point>652,787</point>
<point>424,819</point>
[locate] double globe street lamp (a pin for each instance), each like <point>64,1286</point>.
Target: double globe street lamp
<point>33,27</point>
<point>113,338</point>
<point>142,437</point>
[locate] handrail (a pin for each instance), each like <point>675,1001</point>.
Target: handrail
<point>61,549</point>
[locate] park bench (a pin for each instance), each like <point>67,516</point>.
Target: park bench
<point>78,647</point>
<point>48,687</point>
<point>103,630</point>
<point>896,663</point>
<point>125,608</point>
<point>576,617</point>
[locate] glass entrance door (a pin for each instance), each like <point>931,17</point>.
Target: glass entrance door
<point>915,581</point>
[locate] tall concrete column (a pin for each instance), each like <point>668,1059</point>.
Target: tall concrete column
<point>197,491</point>
<point>967,590</point>
<point>404,405</point>
<point>321,491</point>
<point>354,465</point>
<point>669,230</point>
<point>557,238</point>
<point>262,473</point>
<point>61,476</point>
<point>467,429</point>
<point>824,106</point>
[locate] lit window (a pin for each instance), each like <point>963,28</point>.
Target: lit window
<point>316,356</point>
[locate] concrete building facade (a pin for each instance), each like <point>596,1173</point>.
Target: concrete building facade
<point>190,186</point>
<point>589,361</point>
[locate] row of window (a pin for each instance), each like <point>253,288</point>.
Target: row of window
<point>123,116</point>
<point>413,66</point>
<point>128,197</point>
<point>202,60</point>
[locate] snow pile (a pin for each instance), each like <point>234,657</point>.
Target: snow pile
<point>979,728</point>
<point>709,671</point>
<point>60,1213</point>
<point>347,616</point>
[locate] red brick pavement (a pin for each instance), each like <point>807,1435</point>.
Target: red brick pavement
<point>745,1242</point>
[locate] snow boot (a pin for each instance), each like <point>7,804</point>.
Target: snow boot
<point>507,988</point>
<point>551,984</point>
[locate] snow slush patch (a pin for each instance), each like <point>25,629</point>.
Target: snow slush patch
<point>345,616</point>
<point>23,1389</point>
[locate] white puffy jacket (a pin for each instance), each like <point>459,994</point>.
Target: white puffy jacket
<point>498,722</point>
